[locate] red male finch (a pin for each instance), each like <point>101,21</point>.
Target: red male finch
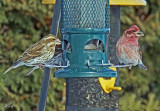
<point>39,54</point>
<point>128,49</point>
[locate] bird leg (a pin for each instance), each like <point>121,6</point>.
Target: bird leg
<point>42,67</point>
<point>34,68</point>
<point>130,66</point>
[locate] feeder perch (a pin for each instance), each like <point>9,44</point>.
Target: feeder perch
<point>107,84</point>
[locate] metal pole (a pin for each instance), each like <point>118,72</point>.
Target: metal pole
<point>56,18</point>
<point>114,35</point>
<point>47,71</point>
<point>86,94</point>
<point>44,89</point>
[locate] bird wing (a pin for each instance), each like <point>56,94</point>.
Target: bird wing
<point>140,64</point>
<point>140,51</point>
<point>119,50</point>
<point>32,52</point>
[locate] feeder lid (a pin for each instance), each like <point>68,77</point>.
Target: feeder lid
<point>112,2</point>
<point>48,1</point>
<point>127,2</point>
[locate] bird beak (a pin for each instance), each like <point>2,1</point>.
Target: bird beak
<point>139,33</point>
<point>58,41</point>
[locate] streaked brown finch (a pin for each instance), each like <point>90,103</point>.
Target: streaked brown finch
<point>38,54</point>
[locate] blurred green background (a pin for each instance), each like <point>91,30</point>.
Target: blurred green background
<point>23,22</point>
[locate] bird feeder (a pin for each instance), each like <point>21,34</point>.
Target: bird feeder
<point>85,31</point>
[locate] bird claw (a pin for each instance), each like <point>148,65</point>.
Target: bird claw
<point>130,66</point>
<point>42,67</point>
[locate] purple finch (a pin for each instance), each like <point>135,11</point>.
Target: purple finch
<point>128,49</point>
<point>38,54</point>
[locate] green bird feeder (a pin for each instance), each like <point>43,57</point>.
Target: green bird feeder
<point>85,30</point>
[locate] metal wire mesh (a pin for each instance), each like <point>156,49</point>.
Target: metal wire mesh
<point>84,14</point>
<point>107,14</point>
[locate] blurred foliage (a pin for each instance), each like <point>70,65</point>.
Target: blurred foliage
<point>141,91</point>
<point>23,22</point>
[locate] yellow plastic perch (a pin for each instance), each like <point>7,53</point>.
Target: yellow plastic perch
<point>112,2</point>
<point>107,84</point>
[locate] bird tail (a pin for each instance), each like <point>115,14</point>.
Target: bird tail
<point>142,66</point>
<point>14,65</point>
<point>8,70</point>
<point>17,63</point>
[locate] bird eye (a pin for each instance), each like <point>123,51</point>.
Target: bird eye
<point>133,31</point>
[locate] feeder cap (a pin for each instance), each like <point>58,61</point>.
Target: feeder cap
<point>128,2</point>
<point>112,2</point>
<point>48,1</point>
